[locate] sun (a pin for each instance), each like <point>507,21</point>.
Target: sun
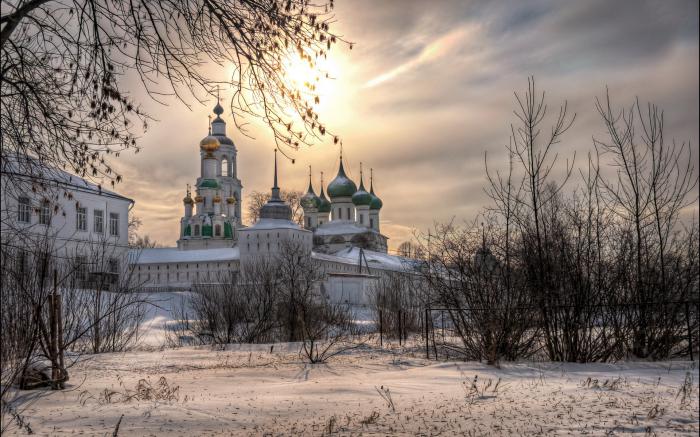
<point>317,80</point>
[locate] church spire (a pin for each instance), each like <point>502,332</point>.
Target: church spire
<point>311,186</point>
<point>275,188</point>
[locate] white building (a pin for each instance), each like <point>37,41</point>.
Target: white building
<point>341,234</point>
<point>64,217</point>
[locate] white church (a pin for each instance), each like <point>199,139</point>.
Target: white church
<point>343,233</point>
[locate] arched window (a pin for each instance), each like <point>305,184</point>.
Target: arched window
<point>217,230</point>
<point>196,230</point>
<point>224,167</point>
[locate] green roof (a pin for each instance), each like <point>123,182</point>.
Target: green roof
<point>341,186</point>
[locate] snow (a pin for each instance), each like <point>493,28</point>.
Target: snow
<point>375,259</point>
<point>248,389</point>
<point>268,224</point>
<point>175,255</point>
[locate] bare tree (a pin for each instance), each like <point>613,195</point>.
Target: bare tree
<point>66,102</point>
<point>653,183</point>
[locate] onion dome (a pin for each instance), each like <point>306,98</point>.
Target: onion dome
<point>198,199</point>
<point>376,203</point>
<point>209,183</point>
<point>217,199</point>
<point>230,200</point>
<point>361,196</point>
<point>324,205</point>
<point>209,144</point>
<point>310,199</point>
<point>188,200</point>
<point>341,186</point>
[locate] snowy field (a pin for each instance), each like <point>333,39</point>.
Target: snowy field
<point>252,391</point>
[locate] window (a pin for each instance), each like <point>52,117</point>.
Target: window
<point>349,216</point>
<point>308,222</point>
<point>340,213</point>
<point>81,268</point>
<point>217,230</point>
<point>113,265</point>
<point>98,217</point>
<point>114,224</point>
<point>224,167</point>
<point>362,219</point>
<point>371,223</point>
<point>81,218</point>
<point>196,230</point>
<point>44,213</point>
<point>24,210</point>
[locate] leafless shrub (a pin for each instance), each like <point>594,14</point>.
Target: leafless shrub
<point>385,394</point>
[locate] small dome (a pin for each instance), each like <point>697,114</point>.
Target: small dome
<point>199,199</point>
<point>230,200</point>
<point>361,196</point>
<point>209,144</point>
<point>324,205</point>
<point>310,199</point>
<point>218,109</point>
<point>341,186</point>
<point>217,199</point>
<point>188,200</point>
<point>376,202</point>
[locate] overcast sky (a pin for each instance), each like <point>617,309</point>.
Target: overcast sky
<point>428,89</point>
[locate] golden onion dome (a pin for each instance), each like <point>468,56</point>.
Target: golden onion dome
<point>188,200</point>
<point>217,199</point>
<point>199,199</point>
<point>231,200</point>
<point>209,144</point>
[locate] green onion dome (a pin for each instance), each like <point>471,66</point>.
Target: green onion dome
<point>209,183</point>
<point>341,186</point>
<point>310,199</point>
<point>361,196</point>
<point>376,202</point>
<point>324,205</point>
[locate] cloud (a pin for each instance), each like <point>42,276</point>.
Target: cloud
<point>428,89</point>
<point>431,52</point>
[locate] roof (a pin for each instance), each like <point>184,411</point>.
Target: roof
<point>32,169</point>
<point>175,255</point>
<point>378,260</point>
<point>269,224</point>
<point>341,227</point>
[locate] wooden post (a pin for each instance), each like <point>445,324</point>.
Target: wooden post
<point>425,321</point>
<point>690,334</point>
<point>53,334</point>
<point>380,329</point>
<point>399,327</point>
<point>59,322</point>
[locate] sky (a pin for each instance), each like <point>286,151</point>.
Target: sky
<point>428,90</point>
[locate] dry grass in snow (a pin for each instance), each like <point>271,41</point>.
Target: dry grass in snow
<point>250,391</point>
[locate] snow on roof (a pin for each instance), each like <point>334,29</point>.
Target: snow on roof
<point>341,227</point>
<point>268,224</point>
<point>33,169</point>
<point>379,260</point>
<point>175,255</point>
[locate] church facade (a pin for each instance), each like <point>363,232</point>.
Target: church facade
<point>341,231</point>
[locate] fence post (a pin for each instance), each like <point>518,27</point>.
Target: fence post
<point>425,322</point>
<point>690,333</point>
<point>381,320</point>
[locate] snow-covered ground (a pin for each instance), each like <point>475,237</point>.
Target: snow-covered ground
<point>249,390</point>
